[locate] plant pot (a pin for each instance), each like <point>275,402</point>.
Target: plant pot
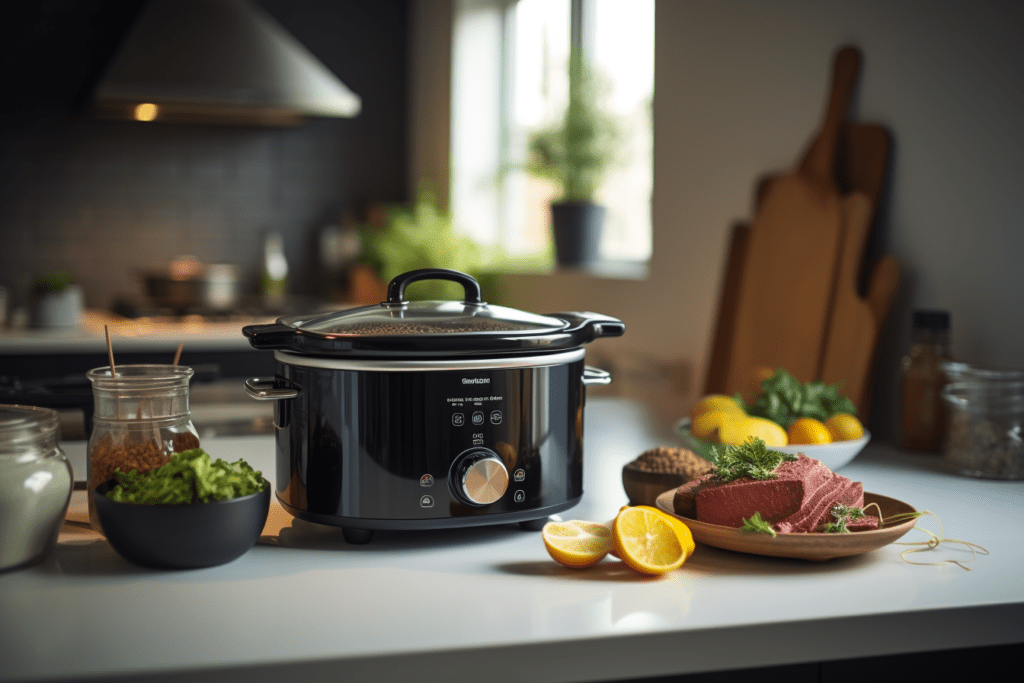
<point>577,230</point>
<point>59,309</point>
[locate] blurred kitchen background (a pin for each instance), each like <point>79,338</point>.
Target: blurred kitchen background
<point>738,89</point>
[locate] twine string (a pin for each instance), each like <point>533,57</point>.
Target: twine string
<point>932,543</point>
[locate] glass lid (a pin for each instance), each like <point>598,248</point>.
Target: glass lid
<point>416,318</point>
<point>396,316</point>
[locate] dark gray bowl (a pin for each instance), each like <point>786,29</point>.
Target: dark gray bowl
<point>182,536</point>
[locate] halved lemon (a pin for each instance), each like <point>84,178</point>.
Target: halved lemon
<point>650,541</point>
<point>576,543</point>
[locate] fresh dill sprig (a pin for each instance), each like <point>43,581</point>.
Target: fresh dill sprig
<point>842,514</point>
<point>751,459</point>
<point>841,510</point>
<point>756,524</point>
<point>837,527</point>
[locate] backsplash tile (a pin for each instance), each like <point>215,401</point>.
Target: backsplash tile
<point>106,200</point>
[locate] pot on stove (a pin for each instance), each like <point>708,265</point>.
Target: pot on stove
<point>429,414</point>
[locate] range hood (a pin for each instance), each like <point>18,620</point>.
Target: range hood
<point>218,61</point>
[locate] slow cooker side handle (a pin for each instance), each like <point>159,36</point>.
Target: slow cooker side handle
<point>588,326</point>
<point>270,336</point>
<point>592,375</point>
<point>271,388</point>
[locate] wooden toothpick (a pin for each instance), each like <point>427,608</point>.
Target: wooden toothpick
<point>110,352</point>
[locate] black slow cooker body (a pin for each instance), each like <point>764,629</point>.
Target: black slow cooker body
<point>378,449</point>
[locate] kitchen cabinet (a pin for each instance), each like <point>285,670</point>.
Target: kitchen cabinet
<point>488,603</point>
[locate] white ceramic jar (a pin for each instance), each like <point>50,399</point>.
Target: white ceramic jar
<point>35,484</point>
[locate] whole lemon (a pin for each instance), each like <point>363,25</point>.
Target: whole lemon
<point>737,432</point>
<point>713,402</point>
<point>707,425</point>
<point>844,427</point>
<point>807,430</point>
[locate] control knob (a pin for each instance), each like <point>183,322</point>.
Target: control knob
<point>478,477</point>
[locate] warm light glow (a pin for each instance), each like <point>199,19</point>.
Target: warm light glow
<point>146,112</point>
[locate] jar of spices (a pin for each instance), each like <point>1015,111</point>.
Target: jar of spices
<point>35,484</point>
<point>923,413</point>
<point>141,418</point>
<point>985,432</point>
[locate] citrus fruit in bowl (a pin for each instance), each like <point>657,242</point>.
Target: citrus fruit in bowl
<point>833,455</point>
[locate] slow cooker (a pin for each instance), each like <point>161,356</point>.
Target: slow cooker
<point>429,414</point>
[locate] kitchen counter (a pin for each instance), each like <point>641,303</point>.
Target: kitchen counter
<point>132,335</point>
<point>489,604</point>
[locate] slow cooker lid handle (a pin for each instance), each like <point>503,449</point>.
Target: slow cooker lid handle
<point>396,288</point>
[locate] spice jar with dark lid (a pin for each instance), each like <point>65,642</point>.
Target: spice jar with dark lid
<point>141,418</point>
<point>922,422</point>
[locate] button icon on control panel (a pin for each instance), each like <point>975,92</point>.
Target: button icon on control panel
<point>520,496</point>
<point>478,418</point>
<point>426,480</point>
<point>495,417</point>
<point>426,502</point>
<point>458,419</point>
<point>519,474</point>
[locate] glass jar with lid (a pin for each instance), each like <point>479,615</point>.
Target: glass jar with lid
<point>141,417</point>
<point>985,432</point>
<point>35,484</point>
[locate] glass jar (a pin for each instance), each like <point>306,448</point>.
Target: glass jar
<point>985,434</point>
<point>922,417</point>
<point>35,484</point>
<point>140,418</point>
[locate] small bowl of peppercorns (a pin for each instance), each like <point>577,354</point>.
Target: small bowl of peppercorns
<point>659,469</point>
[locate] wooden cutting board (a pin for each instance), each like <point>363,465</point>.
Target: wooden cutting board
<point>862,165</point>
<point>789,275</point>
<point>853,329</point>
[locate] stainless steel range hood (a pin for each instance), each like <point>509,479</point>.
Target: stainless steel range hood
<point>218,61</point>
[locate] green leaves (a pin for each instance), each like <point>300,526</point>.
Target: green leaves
<point>842,513</point>
<point>577,151</point>
<point>189,477</point>
<point>753,459</point>
<point>783,399</point>
<point>757,524</point>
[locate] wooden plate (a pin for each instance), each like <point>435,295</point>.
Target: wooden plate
<point>809,546</point>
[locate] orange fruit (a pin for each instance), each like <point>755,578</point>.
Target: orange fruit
<point>650,541</point>
<point>577,544</point>
<point>844,427</point>
<point>737,432</point>
<point>807,430</point>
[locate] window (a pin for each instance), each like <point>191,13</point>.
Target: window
<point>510,78</point>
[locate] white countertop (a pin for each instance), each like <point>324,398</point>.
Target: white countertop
<point>489,604</point>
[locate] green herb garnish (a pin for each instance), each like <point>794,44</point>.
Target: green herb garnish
<point>752,459</point>
<point>190,477</point>
<point>842,513</point>
<point>756,524</point>
<point>783,399</point>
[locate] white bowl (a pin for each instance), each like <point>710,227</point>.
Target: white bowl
<point>832,455</point>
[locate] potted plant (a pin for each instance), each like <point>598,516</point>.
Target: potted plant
<point>57,301</point>
<point>397,238</point>
<point>576,153</point>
